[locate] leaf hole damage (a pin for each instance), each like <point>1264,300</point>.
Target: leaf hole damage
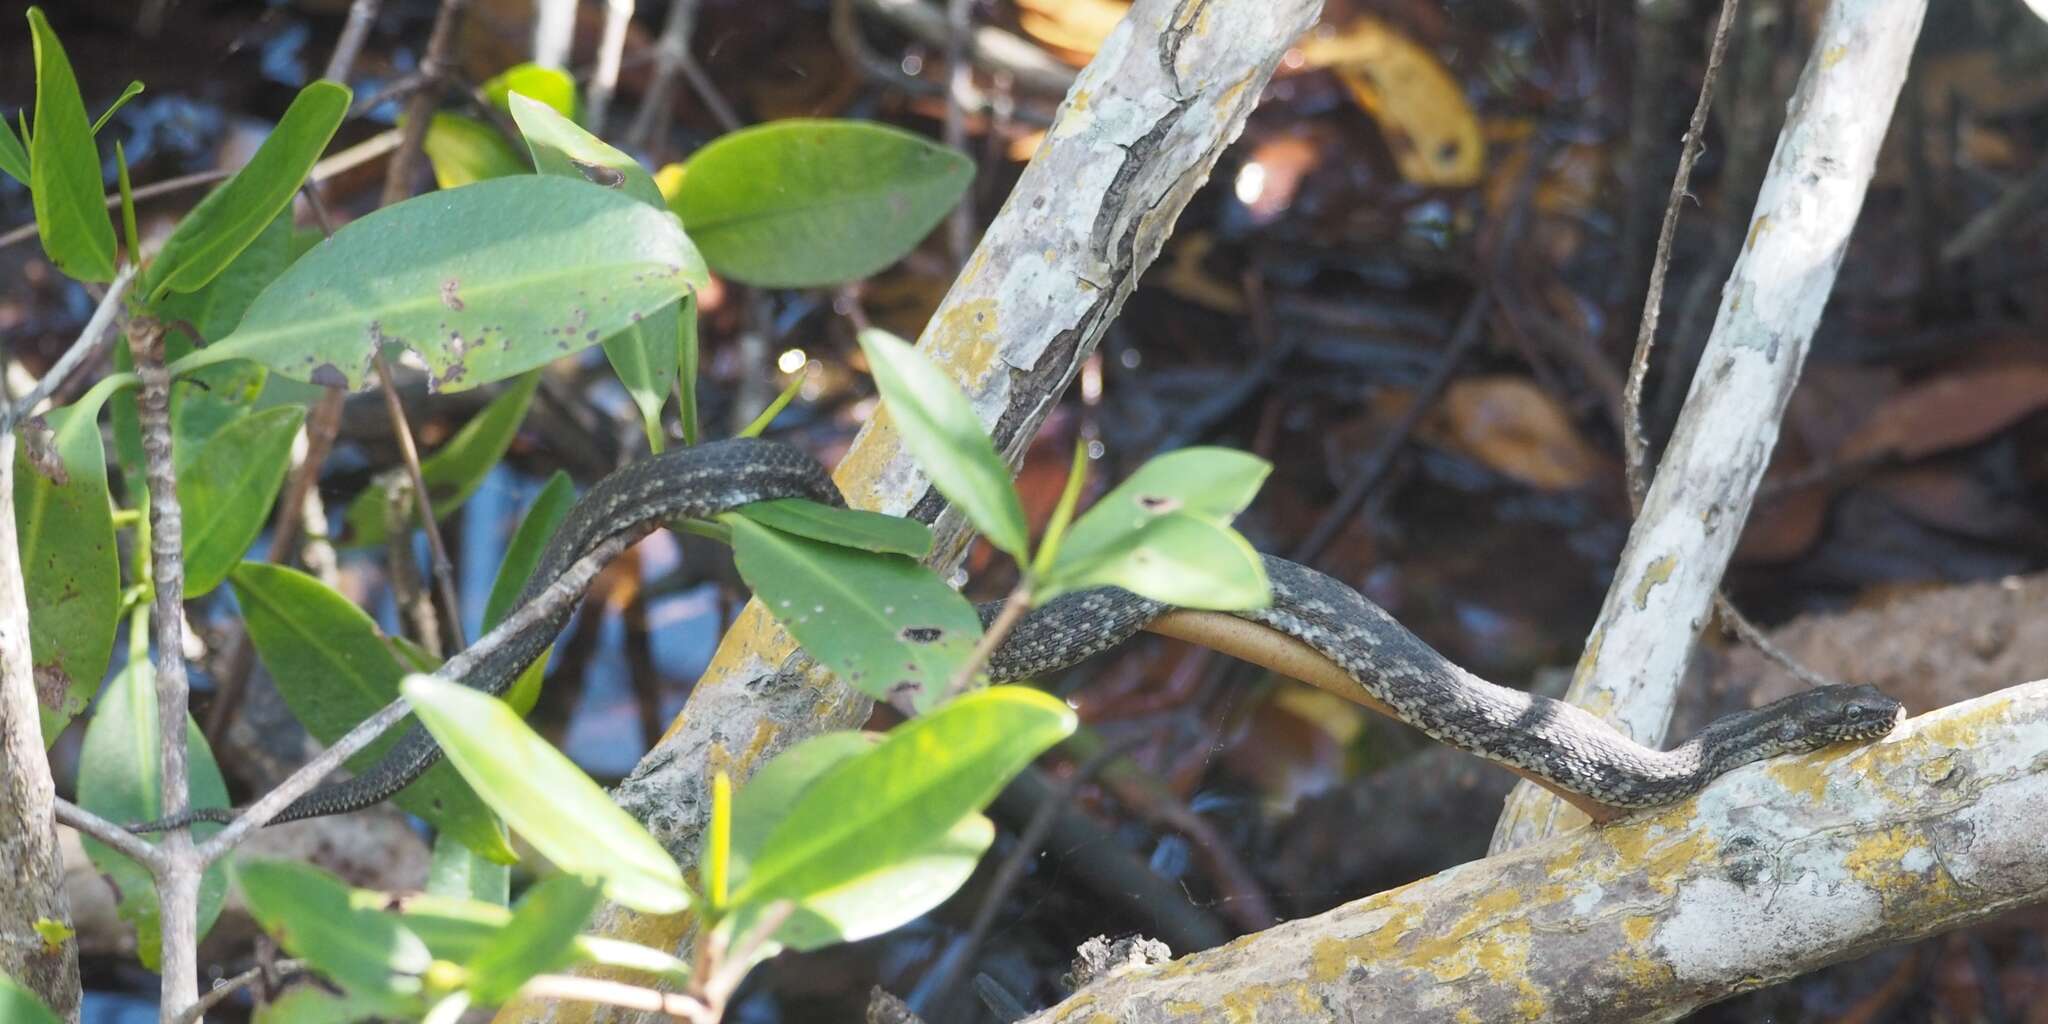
<point>1158,504</point>
<point>599,174</point>
<point>920,634</point>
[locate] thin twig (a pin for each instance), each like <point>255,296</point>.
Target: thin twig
<point>444,569</point>
<point>177,874</point>
<point>85,347</point>
<point>419,108</point>
<point>575,989</point>
<point>137,849</point>
<point>1464,338</point>
<point>219,993</point>
<point>1636,459</point>
<point>566,588</point>
<point>1635,446</point>
<point>670,53</point>
<point>1006,877</point>
<point>959,83</point>
<point>348,159</point>
<point>361,15</point>
<point>1012,611</point>
<point>617,15</point>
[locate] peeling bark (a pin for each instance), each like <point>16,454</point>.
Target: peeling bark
<point>1778,869</point>
<point>1137,135</point>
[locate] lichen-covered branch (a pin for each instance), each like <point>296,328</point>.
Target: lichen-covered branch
<point>44,959</point>
<point>1779,868</point>
<point>1693,515</point>
<point>1135,138</point>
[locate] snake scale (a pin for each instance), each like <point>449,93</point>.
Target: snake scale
<point>1550,741</point>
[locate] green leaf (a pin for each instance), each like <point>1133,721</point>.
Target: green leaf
<point>456,872</point>
<point>233,215</point>
<point>564,150</point>
<point>226,489</point>
<point>120,779</point>
<point>541,937</point>
<point>644,358</point>
<point>767,798</point>
<point>846,527</point>
<point>454,472</point>
<point>64,167</point>
<point>213,311</point>
<point>799,203</point>
<point>308,911</point>
<point>13,155</point>
<point>465,150</point>
<point>1210,483</point>
<point>890,807</point>
<point>457,929</point>
<point>516,567</point>
<point>69,564</point>
<point>1163,534</point>
<point>133,90</point>
<point>334,670</point>
<point>551,86</point>
<point>882,623</point>
<point>19,1005</point>
<point>947,438</point>
<point>484,282</point>
<point>1178,559</point>
<point>546,798</point>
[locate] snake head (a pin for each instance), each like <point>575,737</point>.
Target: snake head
<point>1856,713</point>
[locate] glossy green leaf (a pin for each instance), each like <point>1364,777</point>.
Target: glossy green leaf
<point>846,527</point>
<point>1209,483</point>
<point>214,310</point>
<point>456,469</point>
<point>884,898</point>
<point>551,86</point>
<point>334,670</point>
<point>540,937</point>
<point>13,155</point>
<point>20,1006</point>
<point>308,912</point>
<point>800,203</point>
<point>546,798</point>
<point>872,813</point>
<point>644,358</point>
<point>947,438</point>
<point>64,167</point>
<point>464,150</point>
<point>768,796</point>
<point>516,567</point>
<point>882,623</point>
<point>69,565</point>
<point>561,148</point>
<point>483,282</point>
<point>457,929</point>
<point>226,489</point>
<point>1178,559</point>
<point>120,779</point>
<point>231,216</point>
<point>456,872</point>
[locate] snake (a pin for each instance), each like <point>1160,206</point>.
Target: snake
<point>1316,628</point>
